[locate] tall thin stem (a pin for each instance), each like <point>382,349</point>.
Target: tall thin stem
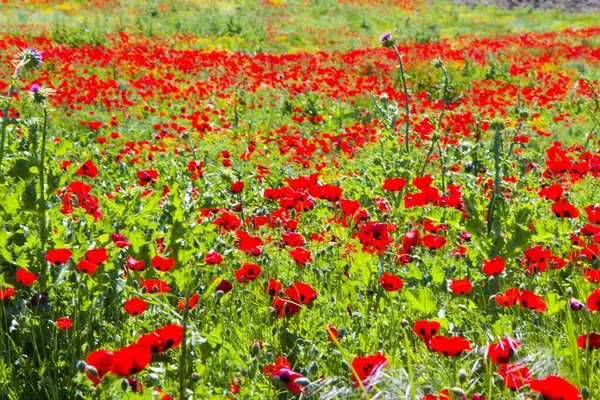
<point>5,115</point>
<point>406,106</point>
<point>42,175</point>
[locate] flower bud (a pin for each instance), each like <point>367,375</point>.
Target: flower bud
<point>124,384</point>
<point>92,370</point>
<point>458,392</point>
<point>81,365</point>
<point>462,375</point>
<point>345,366</point>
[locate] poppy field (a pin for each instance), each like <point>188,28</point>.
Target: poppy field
<point>315,199</point>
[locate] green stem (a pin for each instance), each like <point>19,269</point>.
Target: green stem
<point>5,115</point>
<point>43,223</point>
<point>182,368</point>
<point>406,106</point>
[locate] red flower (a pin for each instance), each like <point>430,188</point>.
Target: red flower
<point>88,169</point>
<point>461,286</point>
<point>449,346</point>
<point>501,352</point>
<point>332,333</point>
<point>247,273</point>
<point>136,386</point>
<point>509,298</point>
<point>301,293</point>
<point>213,258</point>
<point>593,214</point>
<point>300,255</point>
<point>365,367</point>
<point>6,293</point>
<point>130,359</point>
<point>249,244</point>
<point>134,264</point>
<point>64,323</point>
<point>25,277</point>
<point>170,336</point>
<point>593,301</point>
<point>58,256</point>
<point>273,369</point>
<point>555,388</point>
<point>274,287</point>
<point>563,209</point>
<point>289,377</point>
<point>433,242</point>
<point>237,187</point>
<point>193,301</point>
<point>391,283</point>
<point>224,286</point>
<point>425,329</point>
<point>146,177</point>
<point>515,375</point>
<point>120,240</point>
<point>155,286</point>
<point>101,360</point>
<point>591,341</point>
<point>552,193</point>
<point>86,267</point>
<point>494,266</point>
<point>284,307</point>
<point>228,221</point>
<point>394,184</point>
<point>528,299</point>
<point>96,256</point>
<point>163,264</point>
<point>292,239</point>
<point>135,306</point>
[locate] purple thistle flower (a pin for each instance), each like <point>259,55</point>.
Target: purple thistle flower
<point>35,88</point>
<point>385,37</point>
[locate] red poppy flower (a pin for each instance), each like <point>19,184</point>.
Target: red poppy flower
<point>394,184</point>
<point>563,209</point>
<point>146,177</point>
<point>193,301</point>
<point>249,244</point>
<point>170,336</point>
<point>515,375</point>
<point>292,239</point>
<point>461,286</point>
<point>25,277</point>
<point>135,385</point>
<point>96,256</point>
<point>494,266</point>
<point>247,273</point>
<point>235,385</point>
<point>555,388</point>
<point>120,240</point>
<point>135,306</point>
<point>593,301</point>
<point>433,242</point>
<point>64,323</point>
<point>552,193</point>
<point>58,256</point>
<point>130,359</point>
<point>301,293</point>
<point>224,286</point>
<point>593,214</point>
<point>449,346</point>
<point>289,377</point>
<point>280,362</point>
<point>274,287</point>
<point>86,267</point>
<point>132,263</point>
<point>101,360</point>
<point>332,333</point>
<point>6,293</point>
<point>530,300</point>
<point>591,341</point>
<point>425,329</point>
<point>300,255</point>
<point>195,167</point>
<point>509,298</point>
<point>228,221</point>
<point>326,192</point>
<point>237,187</point>
<point>154,286</point>
<point>391,283</point>
<point>284,307</point>
<point>213,258</point>
<point>364,368</point>
<point>88,169</point>
<point>163,264</point>
<point>501,352</point>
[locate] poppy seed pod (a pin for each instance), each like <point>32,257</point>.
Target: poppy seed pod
<point>91,370</point>
<point>81,366</point>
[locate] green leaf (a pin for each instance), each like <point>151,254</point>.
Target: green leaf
<point>438,274</point>
<point>423,300</point>
<point>555,305</point>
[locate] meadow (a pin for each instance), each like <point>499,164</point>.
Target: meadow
<point>314,199</point>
